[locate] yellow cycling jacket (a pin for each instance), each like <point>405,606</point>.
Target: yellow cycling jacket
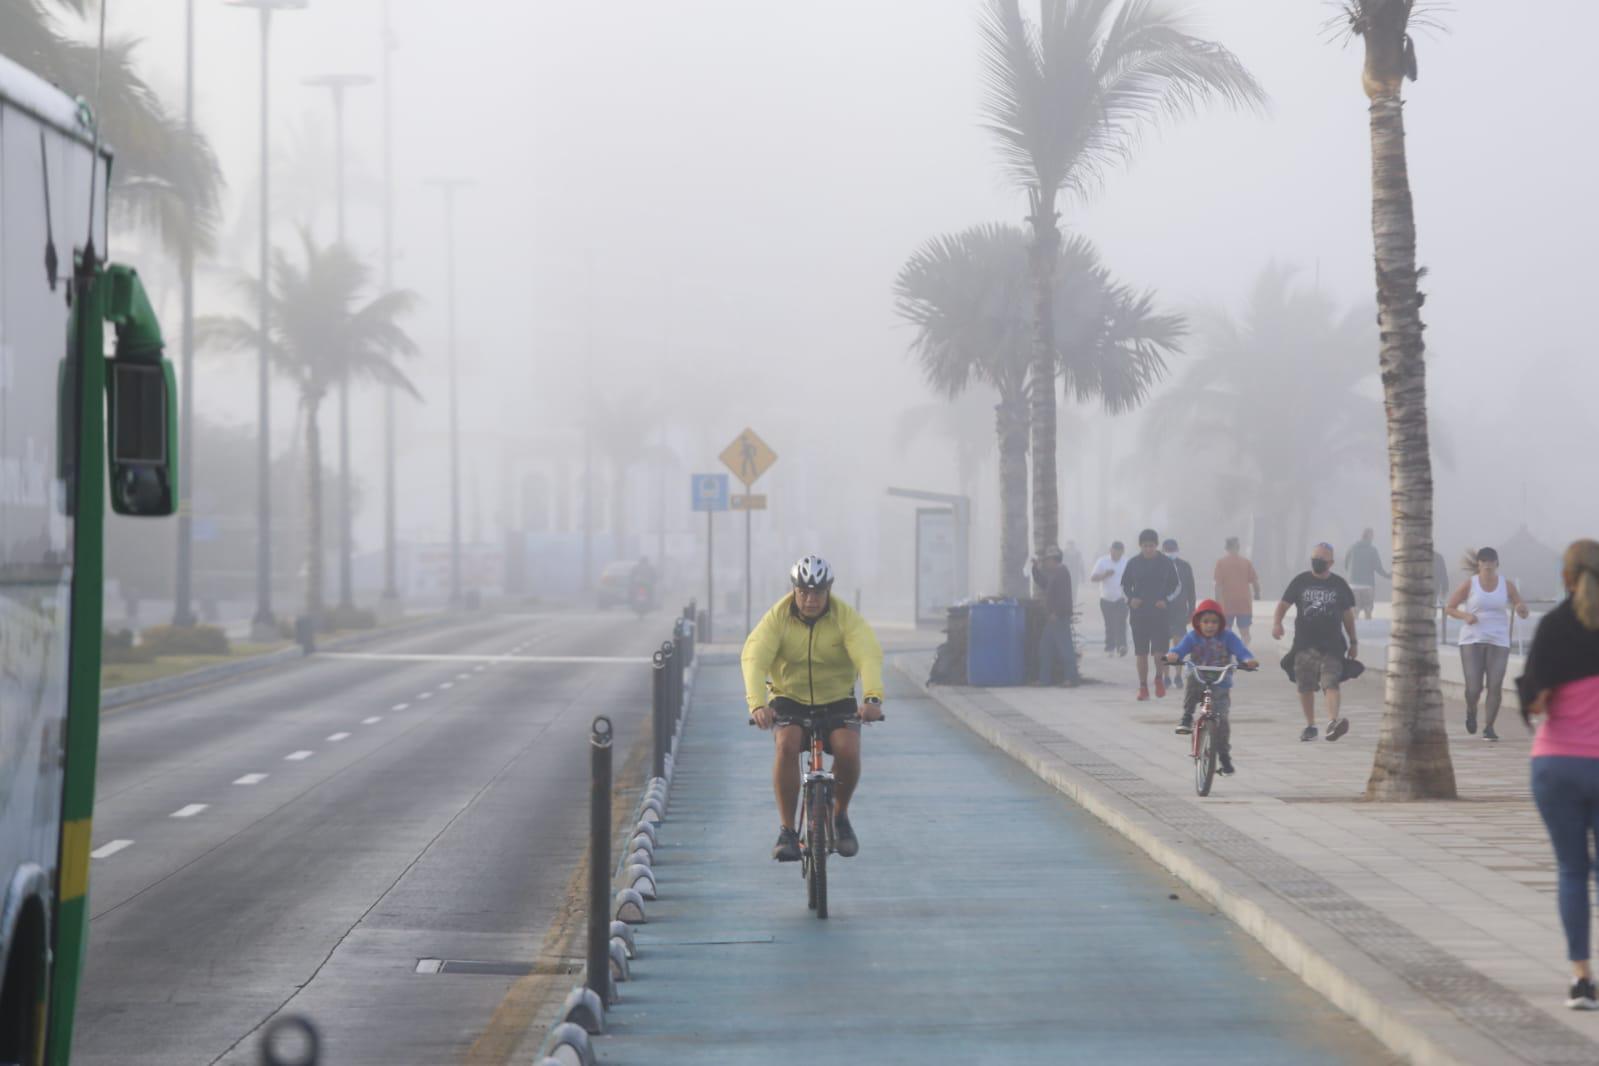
<point>811,664</point>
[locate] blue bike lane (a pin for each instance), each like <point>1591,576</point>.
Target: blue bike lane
<point>986,920</point>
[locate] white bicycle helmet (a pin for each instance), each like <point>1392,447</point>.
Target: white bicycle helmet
<point>811,572</point>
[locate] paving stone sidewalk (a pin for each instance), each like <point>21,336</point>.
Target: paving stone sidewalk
<point>1434,923</point>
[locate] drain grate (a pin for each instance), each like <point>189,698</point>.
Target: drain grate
<point>495,968</point>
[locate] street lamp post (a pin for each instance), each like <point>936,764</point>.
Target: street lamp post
<point>391,591</point>
<point>337,84</point>
<point>449,186</point>
<point>183,609</point>
<point>264,625</point>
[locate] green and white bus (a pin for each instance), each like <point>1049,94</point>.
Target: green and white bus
<point>78,425</point>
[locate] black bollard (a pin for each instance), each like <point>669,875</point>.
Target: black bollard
<point>673,683</point>
<point>682,656</point>
<point>599,955</point>
<point>290,1041</point>
<point>659,695</point>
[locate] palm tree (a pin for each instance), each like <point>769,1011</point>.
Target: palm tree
<point>1066,98</point>
<point>160,169</point>
<point>1275,405</point>
<point>1412,760</point>
<point>968,296</point>
<point>320,337</point>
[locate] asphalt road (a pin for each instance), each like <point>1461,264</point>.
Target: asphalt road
<point>297,841</point>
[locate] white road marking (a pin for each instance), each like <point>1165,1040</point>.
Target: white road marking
<point>376,718</point>
<point>190,811</point>
<point>447,684</point>
<point>336,737</point>
<point>429,965</point>
<point>298,756</point>
<point>490,660</point>
<point>399,706</point>
<point>424,695</point>
<point>462,677</point>
<point>251,779</point>
<point>105,851</point>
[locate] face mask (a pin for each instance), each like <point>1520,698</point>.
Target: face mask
<point>1320,566</point>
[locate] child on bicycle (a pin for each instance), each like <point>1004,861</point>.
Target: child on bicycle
<point>1211,643</point>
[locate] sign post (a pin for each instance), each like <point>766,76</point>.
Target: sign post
<point>748,457</point>
<point>709,495</point>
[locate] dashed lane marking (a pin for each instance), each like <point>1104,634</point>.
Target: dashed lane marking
<point>399,706</point>
<point>105,851</point>
<point>336,737</point>
<point>298,756</point>
<point>190,811</point>
<point>251,779</point>
<point>376,718</point>
<point>447,684</point>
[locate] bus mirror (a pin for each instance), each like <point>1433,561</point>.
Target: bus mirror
<point>142,393</point>
<point>142,431</point>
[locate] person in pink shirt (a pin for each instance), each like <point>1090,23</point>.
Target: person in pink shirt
<point>1560,689</point>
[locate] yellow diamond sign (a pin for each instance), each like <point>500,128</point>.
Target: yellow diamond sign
<point>748,457</point>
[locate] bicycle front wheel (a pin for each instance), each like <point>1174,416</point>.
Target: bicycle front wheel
<point>818,831</point>
<point>1205,760</point>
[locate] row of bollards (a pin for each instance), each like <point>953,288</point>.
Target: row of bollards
<point>612,944</point>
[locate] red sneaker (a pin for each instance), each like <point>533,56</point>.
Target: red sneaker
<point>1143,692</point>
<point>1160,688</point>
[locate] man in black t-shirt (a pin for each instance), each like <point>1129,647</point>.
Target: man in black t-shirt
<point>1150,582</point>
<point>1325,612</point>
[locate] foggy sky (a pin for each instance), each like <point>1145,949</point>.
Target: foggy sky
<point>715,196</point>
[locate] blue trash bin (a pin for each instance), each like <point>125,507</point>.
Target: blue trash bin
<point>996,644</point>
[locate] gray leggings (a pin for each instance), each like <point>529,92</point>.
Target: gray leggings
<point>1484,662</point>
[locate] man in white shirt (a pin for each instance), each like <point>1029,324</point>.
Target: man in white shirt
<point>1107,573</point>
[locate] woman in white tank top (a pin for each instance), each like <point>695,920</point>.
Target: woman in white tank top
<point>1484,602</point>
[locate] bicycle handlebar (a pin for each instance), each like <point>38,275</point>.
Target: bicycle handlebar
<point>882,716</point>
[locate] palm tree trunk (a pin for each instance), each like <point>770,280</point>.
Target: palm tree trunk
<point>313,514</point>
<point>1010,420</point>
<point>1412,760</point>
<point>1044,252</point>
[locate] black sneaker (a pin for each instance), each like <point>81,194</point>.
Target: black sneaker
<point>1224,765</point>
<point>1308,733</point>
<point>1581,995</point>
<point>1338,728</point>
<point>1471,722</point>
<point>787,849</point>
<point>1489,734</point>
<point>844,837</point>
<point>1186,726</point>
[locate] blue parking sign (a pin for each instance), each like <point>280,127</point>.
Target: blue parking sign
<point>710,491</point>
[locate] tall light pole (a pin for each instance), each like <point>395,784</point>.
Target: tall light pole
<point>264,625</point>
<point>337,84</point>
<point>449,186</point>
<point>391,591</point>
<point>182,608</point>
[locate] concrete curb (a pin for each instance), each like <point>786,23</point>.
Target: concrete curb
<point>207,676</point>
<point>1407,1023</point>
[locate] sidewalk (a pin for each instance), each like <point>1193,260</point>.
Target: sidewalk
<point>1433,923</point>
<point>986,920</point>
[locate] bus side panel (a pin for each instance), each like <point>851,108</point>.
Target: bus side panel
<point>36,527</point>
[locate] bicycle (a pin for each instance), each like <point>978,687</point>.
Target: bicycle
<point>814,818</point>
<point>1204,736</point>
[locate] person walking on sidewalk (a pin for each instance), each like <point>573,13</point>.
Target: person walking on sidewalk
<point>813,647</point>
<point>1056,640</point>
<point>1237,588</point>
<point>1107,575</point>
<point>1560,689</point>
<point>1325,612</point>
<point>1210,643</point>
<point>1484,602</point>
<point>1364,565</point>
<point>1182,605</point>
<point>1150,584</point>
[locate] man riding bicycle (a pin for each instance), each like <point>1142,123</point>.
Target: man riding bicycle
<point>813,647</point>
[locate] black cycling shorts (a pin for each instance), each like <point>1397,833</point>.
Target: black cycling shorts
<point>1151,630</point>
<point>840,714</point>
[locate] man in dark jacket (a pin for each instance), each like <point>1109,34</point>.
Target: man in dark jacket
<point>1182,607</point>
<point>1056,640</point>
<point>1150,582</point>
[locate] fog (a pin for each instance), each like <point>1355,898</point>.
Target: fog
<point>687,219</point>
